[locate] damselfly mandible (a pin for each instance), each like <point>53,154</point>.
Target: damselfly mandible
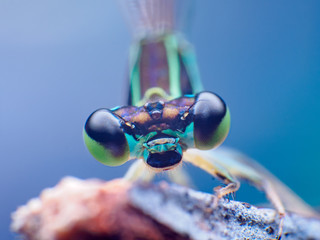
<point>170,119</point>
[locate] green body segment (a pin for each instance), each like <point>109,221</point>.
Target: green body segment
<point>163,67</point>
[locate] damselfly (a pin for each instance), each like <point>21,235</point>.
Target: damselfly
<point>170,119</point>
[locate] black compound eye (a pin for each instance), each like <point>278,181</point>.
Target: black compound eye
<point>211,120</point>
<point>164,159</point>
<point>105,139</point>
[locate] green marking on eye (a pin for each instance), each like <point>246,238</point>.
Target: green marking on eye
<point>220,133</point>
<point>104,155</point>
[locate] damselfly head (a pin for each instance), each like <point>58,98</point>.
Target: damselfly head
<point>159,131</point>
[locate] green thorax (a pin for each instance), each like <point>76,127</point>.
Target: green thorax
<point>162,68</point>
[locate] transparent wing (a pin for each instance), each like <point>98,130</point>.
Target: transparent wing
<point>244,167</point>
<point>153,17</point>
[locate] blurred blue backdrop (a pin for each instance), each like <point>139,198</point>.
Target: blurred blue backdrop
<point>60,60</point>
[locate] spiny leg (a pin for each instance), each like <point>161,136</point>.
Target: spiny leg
<point>241,169</point>
<point>281,196</point>
<point>276,201</point>
<point>216,170</point>
<point>248,169</point>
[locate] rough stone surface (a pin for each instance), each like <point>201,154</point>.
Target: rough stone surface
<point>96,210</point>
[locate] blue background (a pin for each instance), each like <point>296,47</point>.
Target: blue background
<point>60,60</point>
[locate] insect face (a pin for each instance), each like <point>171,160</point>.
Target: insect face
<point>162,153</point>
<point>157,132</point>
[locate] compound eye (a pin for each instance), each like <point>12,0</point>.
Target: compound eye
<point>164,160</point>
<point>211,121</point>
<point>105,139</point>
